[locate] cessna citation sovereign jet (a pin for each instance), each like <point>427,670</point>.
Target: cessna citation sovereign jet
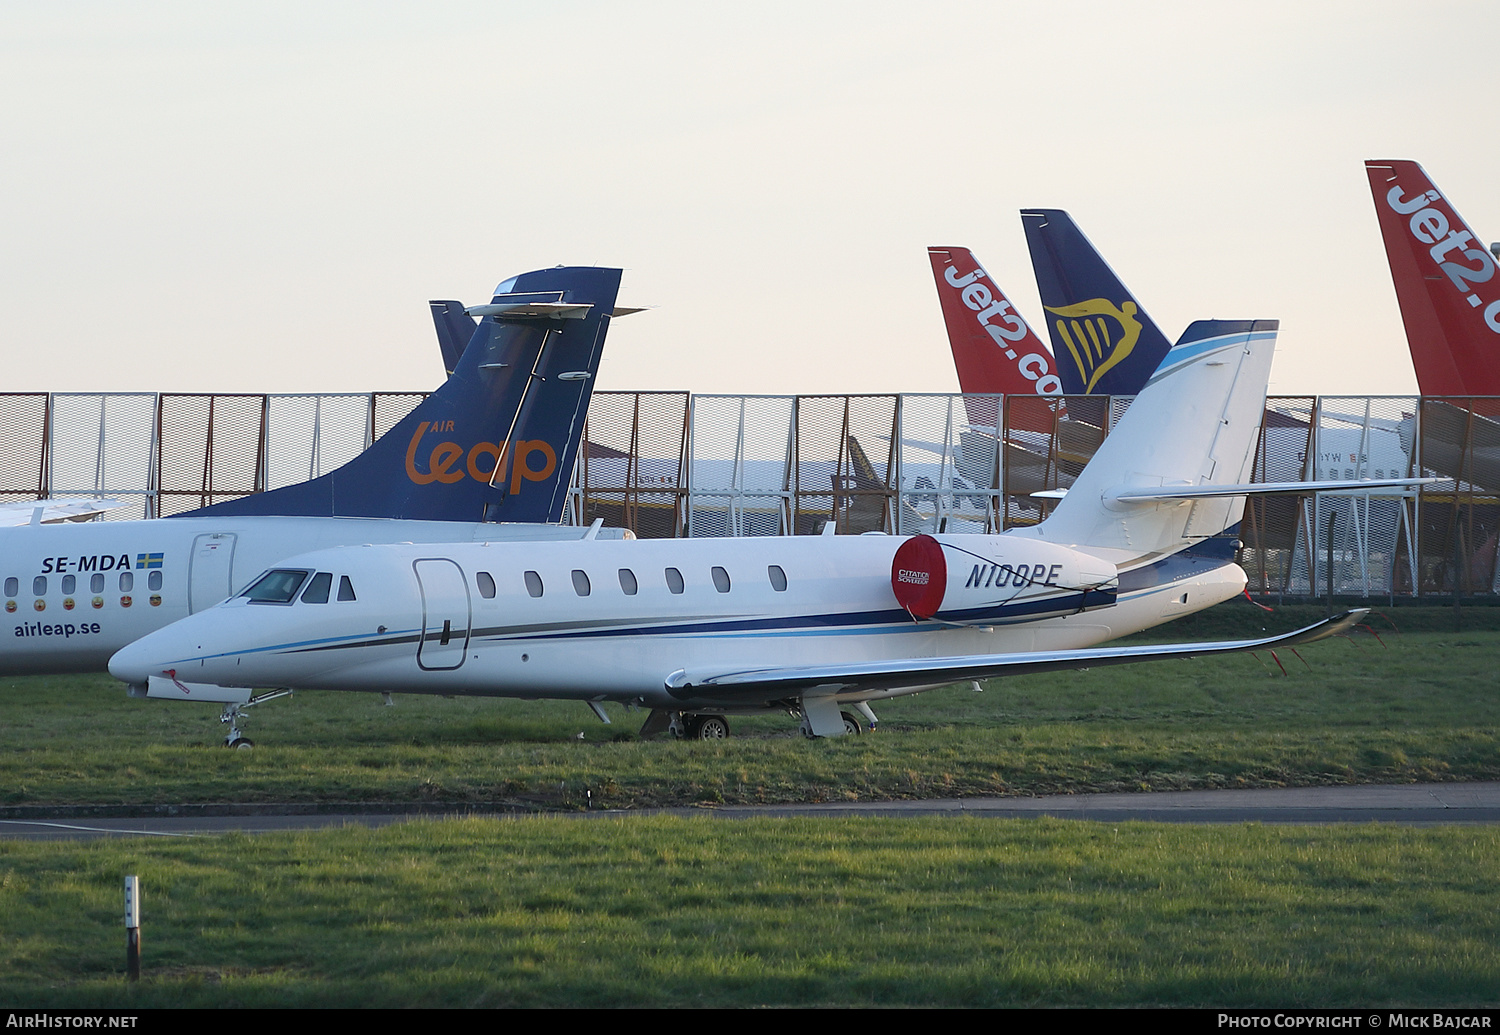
<point>695,629</point>
<point>493,444</point>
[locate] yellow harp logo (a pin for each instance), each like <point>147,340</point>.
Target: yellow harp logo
<point>1098,334</point>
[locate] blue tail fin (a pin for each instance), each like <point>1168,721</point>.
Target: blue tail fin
<point>454,329</point>
<point>498,440</point>
<point>1102,340</point>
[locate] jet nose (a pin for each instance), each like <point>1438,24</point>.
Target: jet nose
<point>137,662</point>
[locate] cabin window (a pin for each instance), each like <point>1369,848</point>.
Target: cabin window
<point>486,583</point>
<point>69,585</point>
<point>153,580</point>
<point>12,586</point>
<point>674,580</point>
<point>777,577</point>
<point>96,583</point>
<point>627,582</point>
<point>581,583</point>
<point>127,581</point>
<point>277,586</point>
<point>533,583</point>
<point>39,586</point>
<point>721,579</point>
<point>346,588</point>
<point>318,588</point>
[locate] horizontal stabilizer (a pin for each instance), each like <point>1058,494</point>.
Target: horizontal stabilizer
<point>770,683</point>
<point>47,512</point>
<point>1195,492</point>
<point>531,310</point>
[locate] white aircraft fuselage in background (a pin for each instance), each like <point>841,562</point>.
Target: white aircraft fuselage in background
<point>75,594</point>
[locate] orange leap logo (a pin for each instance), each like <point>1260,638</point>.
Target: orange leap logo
<point>443,460</point>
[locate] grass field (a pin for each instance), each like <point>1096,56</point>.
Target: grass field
<point>654,911</point>
<point>1419,706</point>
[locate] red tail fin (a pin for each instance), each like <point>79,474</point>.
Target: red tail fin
<point>1445,283</point>
<point>993,348</point>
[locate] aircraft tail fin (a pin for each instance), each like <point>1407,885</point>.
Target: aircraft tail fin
<point>995,351</point>
<point>1104,342</point>
<point>497,441</point>
<point>1195,423</point>
<point>1445,283</point>
<point>454,329</point>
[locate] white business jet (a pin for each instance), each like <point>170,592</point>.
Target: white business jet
<point>695,629</point>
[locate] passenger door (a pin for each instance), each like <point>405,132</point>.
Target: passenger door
<point>445,613</point>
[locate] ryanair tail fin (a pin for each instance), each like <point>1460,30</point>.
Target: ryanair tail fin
<point>1194,424</point>
<point>1103,341</point>
<point>1445,283</point>
<point>497,441</point>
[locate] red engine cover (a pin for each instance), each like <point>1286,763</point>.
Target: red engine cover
<point>919,576</point>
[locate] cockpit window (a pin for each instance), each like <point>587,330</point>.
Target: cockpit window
<point>346,588</point>
<point>317,590</point>
<point>277,586</point>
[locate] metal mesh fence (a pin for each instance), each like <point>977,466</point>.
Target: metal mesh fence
<point>23,446</point>
<point>631,465</point>
<point>671,464</point>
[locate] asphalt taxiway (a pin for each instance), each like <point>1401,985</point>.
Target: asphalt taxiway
<point>1407,804</point>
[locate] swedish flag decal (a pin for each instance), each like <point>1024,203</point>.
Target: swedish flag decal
<point>148,560</point>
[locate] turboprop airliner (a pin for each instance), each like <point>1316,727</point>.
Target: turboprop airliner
<point>487,456</point>
<point>698,629</point>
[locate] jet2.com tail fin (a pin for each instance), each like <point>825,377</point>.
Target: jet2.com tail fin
<point>1195,423</point>
<point>1103,341</point>
<point>1445,283</point>
<point>455,327</point>
<point>994,350</point>
<point>497,441</point>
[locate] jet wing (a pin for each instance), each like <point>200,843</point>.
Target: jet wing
<point>770,683</point>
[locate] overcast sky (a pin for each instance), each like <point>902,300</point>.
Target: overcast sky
<point>262,196</point>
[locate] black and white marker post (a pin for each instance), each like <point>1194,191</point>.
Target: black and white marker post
<point>132,928</point>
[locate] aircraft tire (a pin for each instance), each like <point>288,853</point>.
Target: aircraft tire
<point>242,744</point>
<point>708,727</point>
<point>851,724</point>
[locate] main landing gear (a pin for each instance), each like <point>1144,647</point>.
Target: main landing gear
<point>234,713</point>
<point>822,719</point>
<point>852,727</point>
<point>686,725</point>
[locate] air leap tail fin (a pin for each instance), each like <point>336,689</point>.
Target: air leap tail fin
<point>497,441</point>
